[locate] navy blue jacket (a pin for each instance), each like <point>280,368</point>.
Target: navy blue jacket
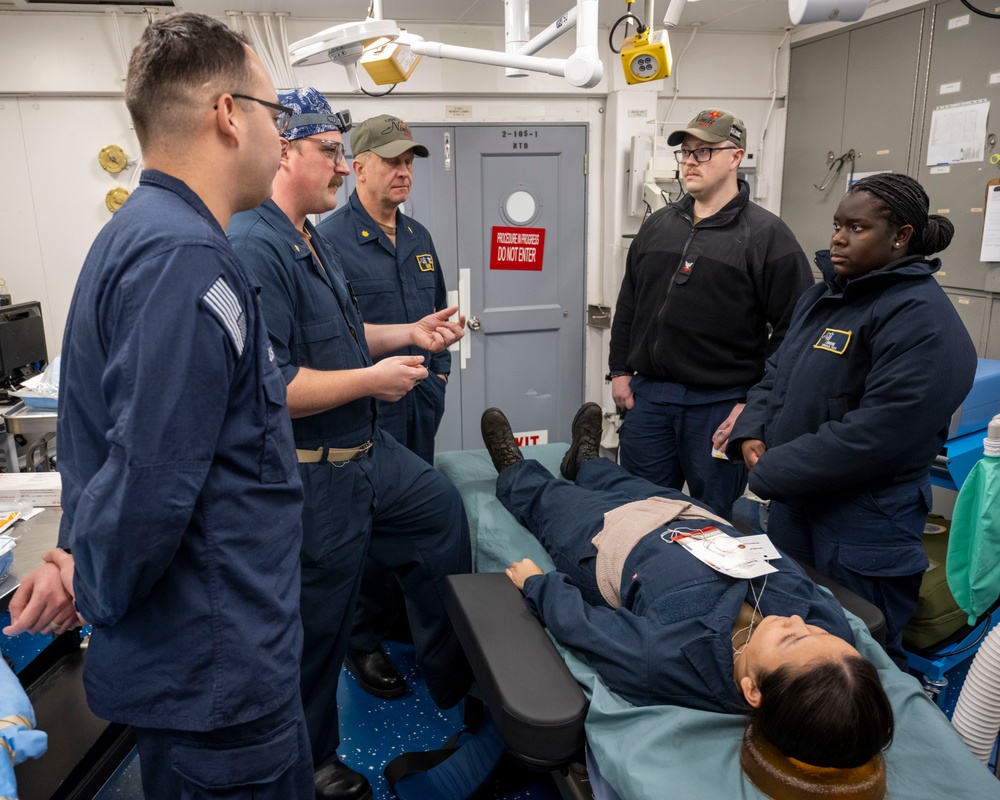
<point>181,499</point>
<point>862,389</point>
<point>312,316</point>
<point>671,641</point>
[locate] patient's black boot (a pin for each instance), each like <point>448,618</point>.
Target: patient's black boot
<point>586,443</point>
<point>499,439</point>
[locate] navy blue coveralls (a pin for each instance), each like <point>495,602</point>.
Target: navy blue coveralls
<point>387,493</point>
<point>853,407</point>
<point>182,505</point>
<point>671,640</point>
<point>393,284</point>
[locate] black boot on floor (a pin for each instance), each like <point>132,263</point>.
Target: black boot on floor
<point>499,439</point>
<point>337,781</point>
<point>375,672</point>
<point>586,443</point>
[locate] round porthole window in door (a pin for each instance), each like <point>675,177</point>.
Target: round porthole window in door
<point>520,207</point>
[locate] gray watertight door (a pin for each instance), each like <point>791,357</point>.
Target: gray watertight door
<point>506,207</point>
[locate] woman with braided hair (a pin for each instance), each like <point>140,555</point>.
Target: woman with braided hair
<point>841,431</point>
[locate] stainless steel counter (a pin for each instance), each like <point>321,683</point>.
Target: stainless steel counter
<point>34,537</point>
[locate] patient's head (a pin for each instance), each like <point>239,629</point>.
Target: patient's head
<point>814,697</point>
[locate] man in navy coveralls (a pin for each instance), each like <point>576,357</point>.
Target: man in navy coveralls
<point>395,272</point>
<point>181,499</point>
<point>359,481</point>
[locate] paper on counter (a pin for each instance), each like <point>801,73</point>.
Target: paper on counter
<point>8,518</point>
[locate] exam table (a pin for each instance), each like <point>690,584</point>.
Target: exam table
<point>653,751</point>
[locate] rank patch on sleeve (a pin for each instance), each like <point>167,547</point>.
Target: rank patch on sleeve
<point>834,341</point>
<point>425,262</point>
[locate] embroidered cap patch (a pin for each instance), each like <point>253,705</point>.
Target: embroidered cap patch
<point>834,341</point>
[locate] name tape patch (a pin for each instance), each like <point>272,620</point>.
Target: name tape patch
<point>834,341</point>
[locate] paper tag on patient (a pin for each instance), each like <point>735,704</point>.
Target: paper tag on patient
<point>724,553</point>
<point>761,545</point>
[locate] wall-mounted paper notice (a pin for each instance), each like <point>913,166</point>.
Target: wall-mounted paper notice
<point>991,225</point>
<point>957,133</point>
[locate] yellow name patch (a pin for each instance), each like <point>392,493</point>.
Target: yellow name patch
<point>425,262</point>
<point>834,341</point>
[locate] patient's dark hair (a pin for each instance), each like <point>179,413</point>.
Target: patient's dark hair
<point>834,715</point>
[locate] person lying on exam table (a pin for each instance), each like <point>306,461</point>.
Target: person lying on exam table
<point>634,593</point>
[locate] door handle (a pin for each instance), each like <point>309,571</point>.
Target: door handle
<point>473,323</point>
<point>464,305</point>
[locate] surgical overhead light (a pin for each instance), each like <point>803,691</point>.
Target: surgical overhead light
<point>342,44</point>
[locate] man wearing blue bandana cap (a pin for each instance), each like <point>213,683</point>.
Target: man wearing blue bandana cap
<point>359,482</point>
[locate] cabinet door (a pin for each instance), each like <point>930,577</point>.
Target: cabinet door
<point>993,337</point>
<point>817,94</point>
<point>964,66</point>
<point>855,90</point>
<point>882,82</point>
<point>974,311</point>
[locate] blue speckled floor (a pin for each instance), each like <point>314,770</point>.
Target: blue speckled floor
<point>374,732</point>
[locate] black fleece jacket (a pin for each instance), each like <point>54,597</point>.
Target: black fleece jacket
<point>698,302</point>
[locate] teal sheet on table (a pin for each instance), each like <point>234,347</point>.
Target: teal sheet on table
<point>670,752</point>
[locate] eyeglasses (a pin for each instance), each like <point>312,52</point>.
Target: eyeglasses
<point>332,150</point>
<point>284,113</point>
<point>701,154</point>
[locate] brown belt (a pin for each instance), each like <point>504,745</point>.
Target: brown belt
<point>335,455</point>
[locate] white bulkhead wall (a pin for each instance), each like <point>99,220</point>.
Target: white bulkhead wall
<point>61,101</point>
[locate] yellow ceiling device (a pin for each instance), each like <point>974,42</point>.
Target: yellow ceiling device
<point>646,56</point>
<point>387,61</point>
